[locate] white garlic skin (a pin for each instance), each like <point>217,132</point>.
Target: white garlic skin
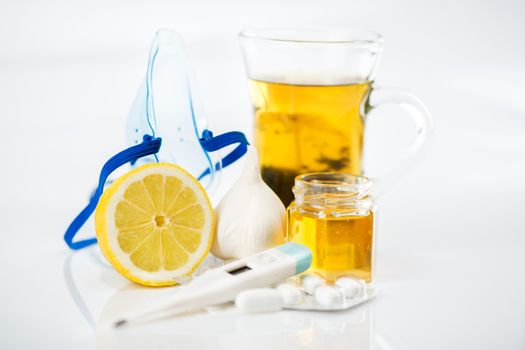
<point>250,217</point>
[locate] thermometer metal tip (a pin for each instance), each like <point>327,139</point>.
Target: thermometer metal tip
<point>120,323</point>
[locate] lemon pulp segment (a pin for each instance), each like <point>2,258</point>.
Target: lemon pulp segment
<point>162,221</point>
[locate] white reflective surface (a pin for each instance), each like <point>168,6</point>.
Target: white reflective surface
<point>219,328</point>
<point>451,261</point>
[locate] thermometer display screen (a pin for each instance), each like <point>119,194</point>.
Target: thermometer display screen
<point>239,270</point>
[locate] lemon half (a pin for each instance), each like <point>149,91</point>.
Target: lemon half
<point>155,223</point>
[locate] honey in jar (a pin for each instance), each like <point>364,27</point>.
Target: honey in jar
<point>332,214</point>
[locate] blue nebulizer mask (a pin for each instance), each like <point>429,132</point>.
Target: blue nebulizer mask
<point>167,124</point>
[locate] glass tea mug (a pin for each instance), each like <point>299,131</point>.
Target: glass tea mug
<point>312,92</point>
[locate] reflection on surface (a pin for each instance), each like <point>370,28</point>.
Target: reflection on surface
<point>229,330</point>
<point>75,294</point>
<point>220,328</point>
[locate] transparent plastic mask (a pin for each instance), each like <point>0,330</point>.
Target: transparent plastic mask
<point>166,124</point>
<point>167,106</point>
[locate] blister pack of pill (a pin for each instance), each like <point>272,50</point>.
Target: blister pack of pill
<point>316,294</point>
<point>309,292</point>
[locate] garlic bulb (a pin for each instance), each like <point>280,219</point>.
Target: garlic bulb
<point>250,217</point>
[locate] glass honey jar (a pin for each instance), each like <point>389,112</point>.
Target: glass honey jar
<point>333,215</point>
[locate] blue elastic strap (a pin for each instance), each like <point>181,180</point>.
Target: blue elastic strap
<point>149,146</point>
<point>211,143</point>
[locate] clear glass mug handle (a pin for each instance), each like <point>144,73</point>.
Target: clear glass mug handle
<point>380,96</point>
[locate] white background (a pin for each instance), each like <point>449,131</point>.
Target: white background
<point>451,267</point>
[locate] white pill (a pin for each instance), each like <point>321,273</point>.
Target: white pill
<point>328,296</point>
<point>259,300</point>
<point>291,294</point>
<point>311,282</point>
<point>351,287</point>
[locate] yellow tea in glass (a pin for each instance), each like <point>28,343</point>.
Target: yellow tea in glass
<point>312,91</point>
<point>305,128</point>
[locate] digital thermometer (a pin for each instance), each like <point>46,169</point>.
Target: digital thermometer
<point>222,284</point>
